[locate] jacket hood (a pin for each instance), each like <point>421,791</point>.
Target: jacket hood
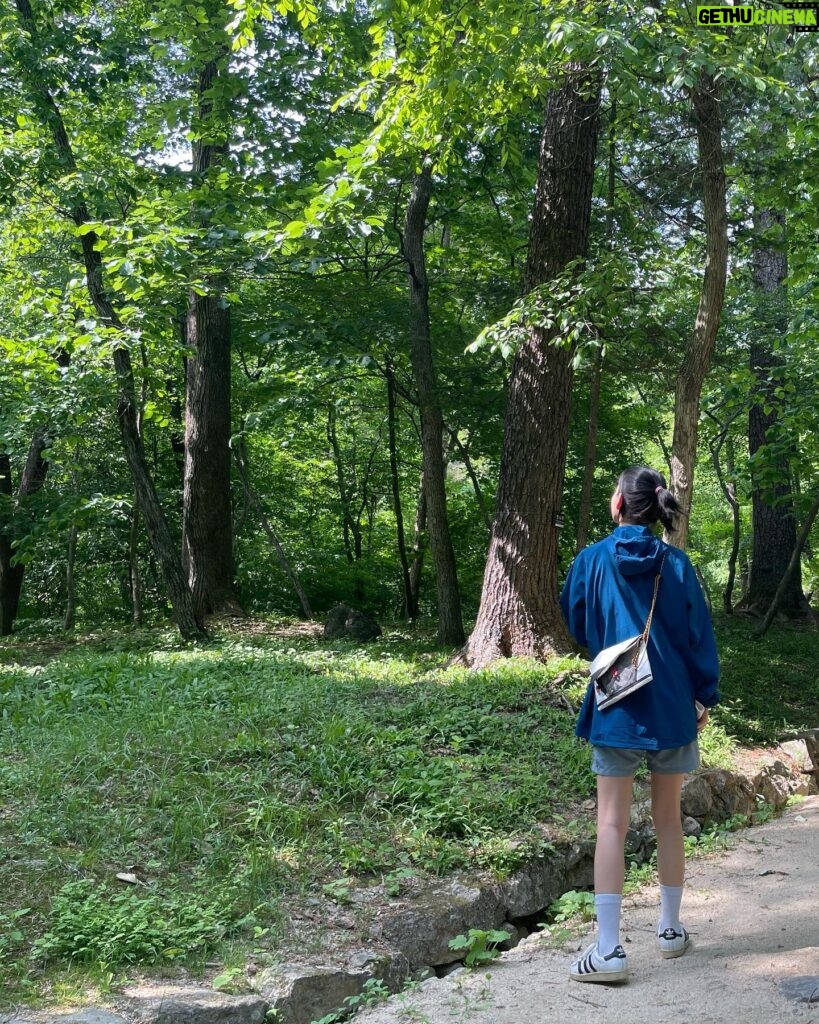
<point>637,550</point>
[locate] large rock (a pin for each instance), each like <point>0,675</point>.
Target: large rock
<point>772,784</point>
<point>534,886</point>
<point>175,1004</point>
<point>90,1017</point>
<point>422,931</point>
<point>346,622</point>
<point>304,994</point>
<point>697,798</point>
<point>733,794</point>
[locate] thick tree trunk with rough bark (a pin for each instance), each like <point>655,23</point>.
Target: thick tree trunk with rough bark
<point>207,514</point>
<point>773,524</point>
<point>584,515</point>
<point>156,524</point>
<point>792,568</point>
<point>11,576</point>
<point>450,623</point>
<point>519,612</point>
<point>700,347</point>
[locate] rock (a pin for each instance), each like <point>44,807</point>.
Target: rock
<point>515,935</point>
<point>171,1004</point>
<point>801,990</point>
<point>344,621</point>
<point>422,932</point>
<point>305,994</point>
<point>772,786</point>
<point>91,1016</point>
<point>534,886</point>
<point>579,866</point>
<point>697,799</point>
<point>733,794</point>
<point>691,827</point>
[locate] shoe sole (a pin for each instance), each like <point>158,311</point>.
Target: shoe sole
<point>672,954</point>
<point>601,978</point>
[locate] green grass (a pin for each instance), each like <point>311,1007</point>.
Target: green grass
<point>230,778</point>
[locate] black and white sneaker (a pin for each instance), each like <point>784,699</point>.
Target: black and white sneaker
<point>605,970</point>
<point>673,943</point>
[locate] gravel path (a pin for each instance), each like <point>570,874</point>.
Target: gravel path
<point>754,917</point>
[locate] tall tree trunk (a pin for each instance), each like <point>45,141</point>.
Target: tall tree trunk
<point>590,462</point>
<point>134,574</point>
<point>473,476</point>
<point>348,526</point>
<point>70,586</point>
<point>700,347</point>
<point>11,576</point>
<point>450,623</point>
<point>792,568</point>
<point>727,484</point>
<point>207,514</point>
<point>166,552</point>
<point>773,535</point>
<point>389,371</point>
<point>519,612</point>
<point>418,549</point>
<point>584,515</point>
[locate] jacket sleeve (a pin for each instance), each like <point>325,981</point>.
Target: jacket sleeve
<point>703,661</point>
<point>573,600</point>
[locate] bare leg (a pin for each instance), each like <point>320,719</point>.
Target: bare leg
<point>613,807</point>
<point>665,810</point>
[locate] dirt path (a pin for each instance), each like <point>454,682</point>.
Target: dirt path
<point>754,916</point>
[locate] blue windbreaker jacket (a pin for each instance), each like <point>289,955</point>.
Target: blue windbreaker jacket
<point>606,599</point>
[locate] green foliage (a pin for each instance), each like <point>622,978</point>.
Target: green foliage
<point>481,946</point>
<point>91,924</point>
<point>571,905</point>
<point>373,993</point>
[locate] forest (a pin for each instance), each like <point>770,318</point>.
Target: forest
<point>275,278</point>
<point>370,301</point>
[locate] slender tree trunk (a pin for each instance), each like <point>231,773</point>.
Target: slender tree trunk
<point>207,516</point>
<point>252,499</point>
<point>11,576</point>
<point>344,494</point>
<point>396,488</point>
<point>519,612</point>
<point>156,524</point>
<point>791,570</point>
<point>418,549</point>
<point>134,574</point>
<point>773,535</point>
<point>700,347</point>
<point>450,623</point>
<point>473,476</point>
<point>728,487</point>
<point>70,588</point>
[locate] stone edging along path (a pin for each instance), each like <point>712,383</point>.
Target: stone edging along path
<point>415,935</point>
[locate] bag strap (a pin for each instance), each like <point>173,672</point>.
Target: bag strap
<point>647,629</point>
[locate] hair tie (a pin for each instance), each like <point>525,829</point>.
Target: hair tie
<point>658,489</point>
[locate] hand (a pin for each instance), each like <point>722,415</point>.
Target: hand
<point>702,721</point>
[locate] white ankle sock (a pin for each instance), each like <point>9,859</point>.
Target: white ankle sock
<point>670,901</point>
<point>607,907</point>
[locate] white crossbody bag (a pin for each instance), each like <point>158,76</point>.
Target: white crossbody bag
<point>623,668</point>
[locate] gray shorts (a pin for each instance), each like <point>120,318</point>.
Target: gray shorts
<point>620,762</point>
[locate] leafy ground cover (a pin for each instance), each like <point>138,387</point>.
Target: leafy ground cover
<point>225,780</point>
